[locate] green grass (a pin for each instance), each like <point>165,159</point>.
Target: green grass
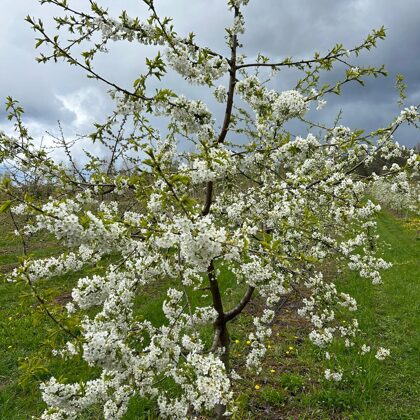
<point>390,314</point>
<point>290,385</point>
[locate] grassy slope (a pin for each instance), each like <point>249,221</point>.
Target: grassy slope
<point>389,315</point>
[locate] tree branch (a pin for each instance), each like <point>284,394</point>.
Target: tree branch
<point>241,305</point>
<point>215,292</point>
<point>228,113</point>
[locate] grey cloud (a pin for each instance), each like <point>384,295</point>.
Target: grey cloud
<point>277,28</point>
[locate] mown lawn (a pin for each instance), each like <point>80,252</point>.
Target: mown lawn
<point>291,384</point>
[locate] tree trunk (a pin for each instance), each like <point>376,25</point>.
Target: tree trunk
<point>222,341</point>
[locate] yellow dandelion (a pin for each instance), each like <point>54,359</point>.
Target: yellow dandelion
<point>257,387</point>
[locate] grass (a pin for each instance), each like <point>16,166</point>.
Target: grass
<point>391,315</point>
<point>290,385</point>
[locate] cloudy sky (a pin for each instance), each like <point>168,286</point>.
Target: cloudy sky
<point>277,28</point>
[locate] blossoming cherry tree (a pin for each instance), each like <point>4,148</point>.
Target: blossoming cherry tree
<point>198,208</point>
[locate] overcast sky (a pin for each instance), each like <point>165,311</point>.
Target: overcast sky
<point>277,28</point>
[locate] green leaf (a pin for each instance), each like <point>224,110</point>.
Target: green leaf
<point>5,206</point>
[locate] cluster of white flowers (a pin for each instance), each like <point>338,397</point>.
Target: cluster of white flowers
<point>218,163</point>
<point>238,25</point>
<point>289,104</point>
<point>368,266</point>
<point>202,376</point>
<point>128,29</point>
<point>339,135</point>
<point>318,309</point>
<point>192,116</point>
<point>409,114</point>
<point>364,349</point>
<point>220,93</point>
<point>354,72</point>
<point>199,241</point>
<point>321,104</point>
<point>255,272</point>
<point>195,66</point>
<point>399,193</point>
<point>382,353</point>
<point>333,376</point>
<point>56,266</point>
<point>258,338</point>
<point>269,104</point>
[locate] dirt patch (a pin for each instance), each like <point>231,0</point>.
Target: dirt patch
<point>7,268</point>
<point>63,299</point>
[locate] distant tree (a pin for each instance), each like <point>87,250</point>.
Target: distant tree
<point>249,201</point>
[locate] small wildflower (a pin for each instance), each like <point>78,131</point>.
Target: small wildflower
<point>248,342</point>
<point>291,347</point>
<point>273,370</point>
<point>236,341</point>
<point>382,353</point>
<point>333,376</point>
<point>257,387</point>
<point>365,349</point>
